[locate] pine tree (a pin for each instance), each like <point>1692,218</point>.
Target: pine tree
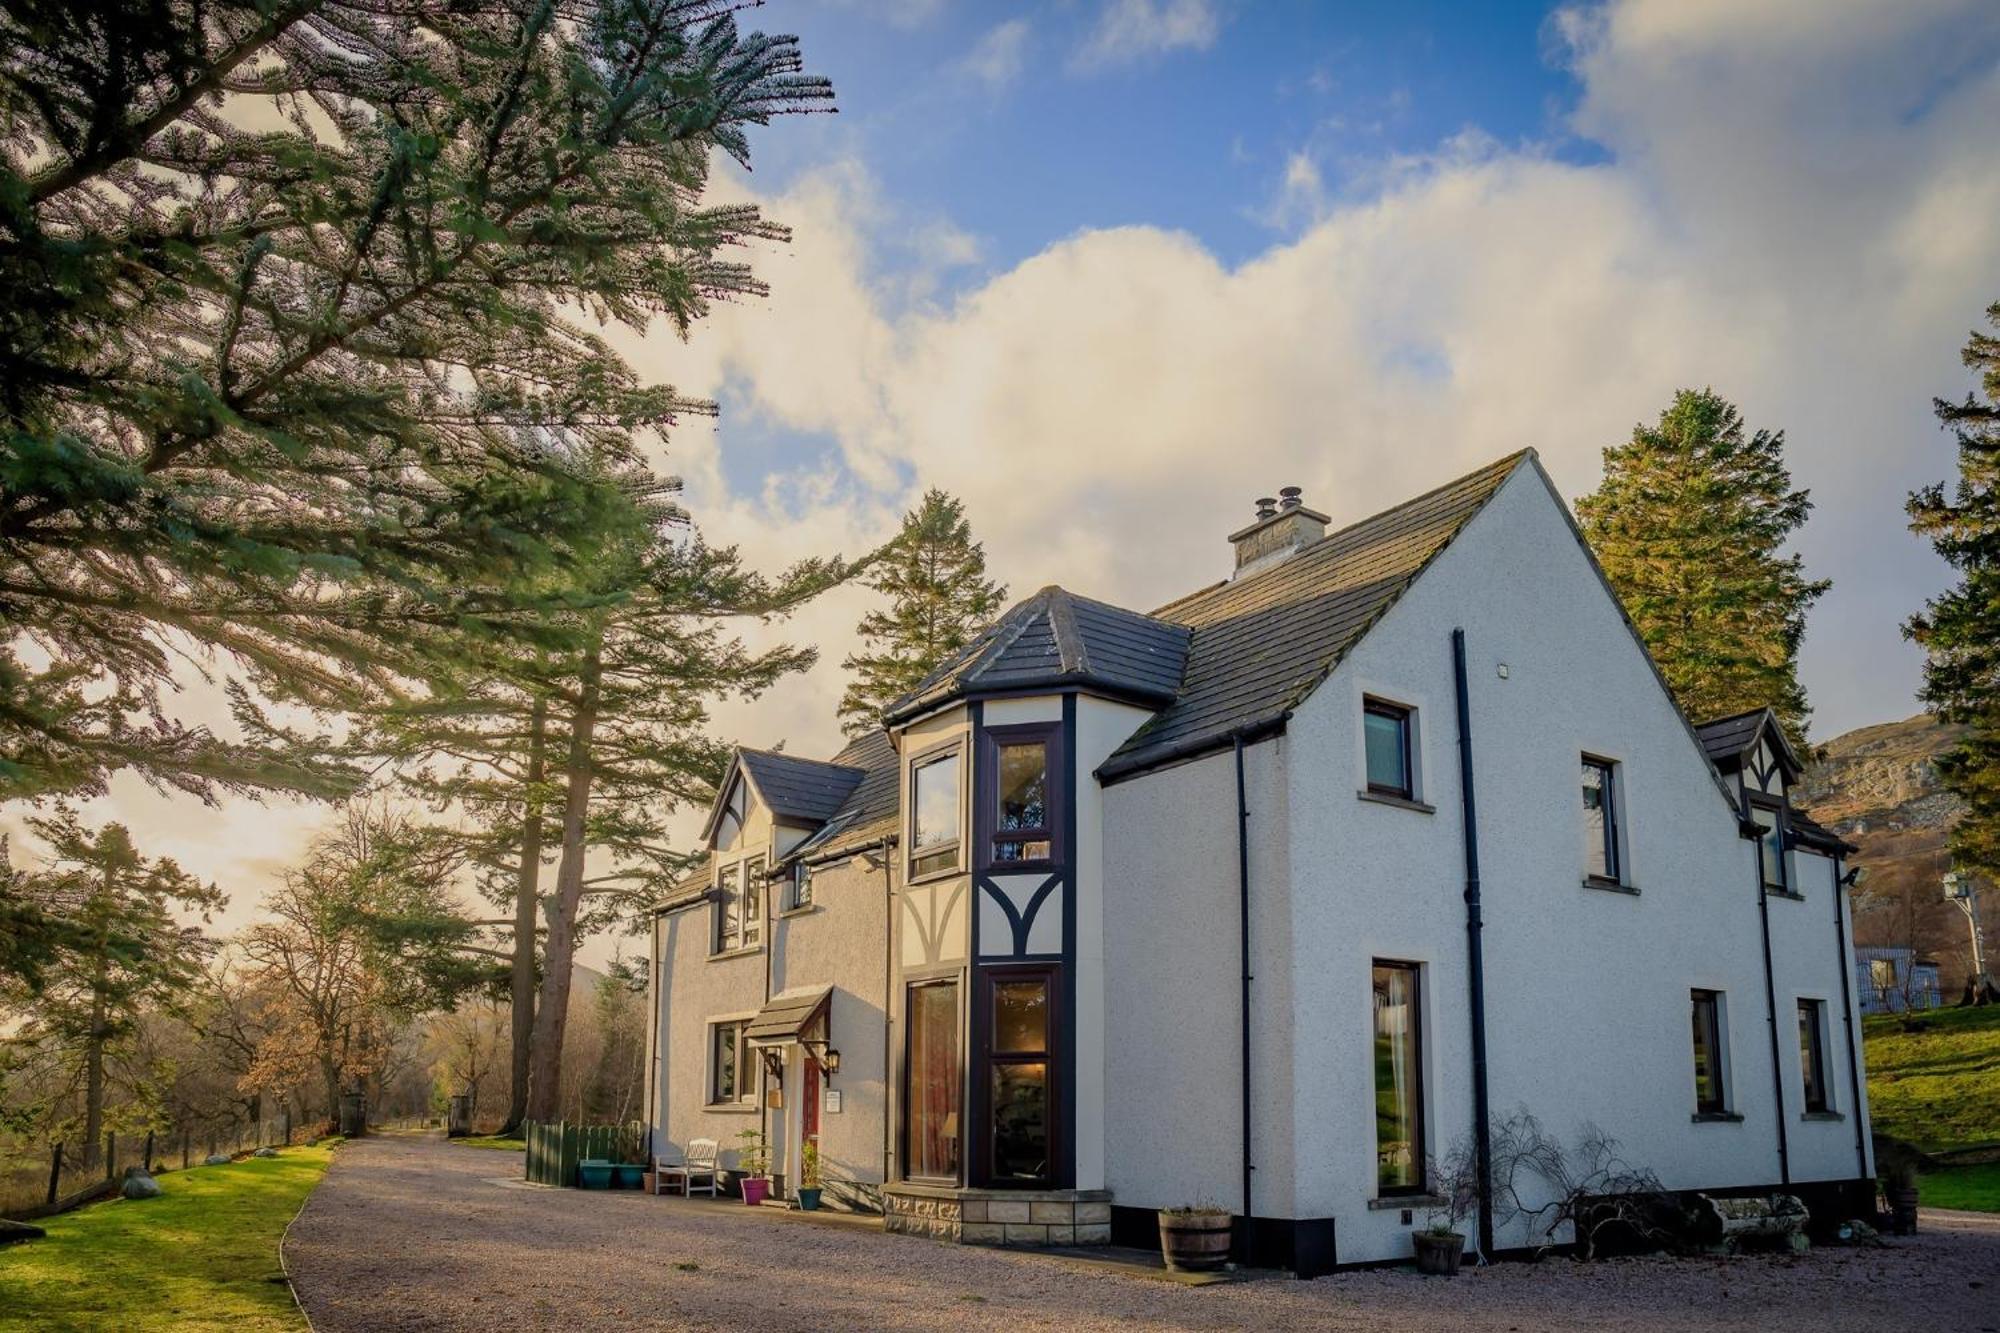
<point>1960,630</point>
<point>124,953</point>
<point>934,576</point>
<point>292,371</point>
<point>1689,524</point>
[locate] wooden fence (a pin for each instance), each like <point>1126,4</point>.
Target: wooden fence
<point>555,1149</point>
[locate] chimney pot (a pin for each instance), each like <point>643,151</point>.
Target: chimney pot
<point>1267,507</point>
<point>1291,497</point>
<point>1282,527</point>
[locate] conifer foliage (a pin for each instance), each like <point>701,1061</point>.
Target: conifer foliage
<point>1690,525</point>
<point>934,576</point>
<point>1960,629</point>
<point>292,376</point>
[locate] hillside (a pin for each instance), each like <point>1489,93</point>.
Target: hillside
<point>1878,788</point>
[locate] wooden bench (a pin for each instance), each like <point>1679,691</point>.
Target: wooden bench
<point>697,1165</point>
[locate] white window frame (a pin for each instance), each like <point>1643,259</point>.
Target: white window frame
<point>746,1091</point>
<point>954,752</point>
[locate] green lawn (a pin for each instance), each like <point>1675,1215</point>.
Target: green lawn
<point>492,1141</point>
<point>204,1255</point>
<point>1973,1187</point>
<point>1939,1085</point>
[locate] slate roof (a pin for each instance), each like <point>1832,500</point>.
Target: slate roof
<point>787,1014</point>
<point>1057,640</point>
<point>1262,642</point>
<point>871,804</point>
<point>799,790</point>
<point>1726,738</point>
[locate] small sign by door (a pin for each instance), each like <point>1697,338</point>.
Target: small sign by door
<point>833,1101</point>
<point>774,1099</point>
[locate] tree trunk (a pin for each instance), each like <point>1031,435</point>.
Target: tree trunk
<point>527,888</point>
<point>331,1073</point>
<point>93,1049</point>
<point>552,1006</point>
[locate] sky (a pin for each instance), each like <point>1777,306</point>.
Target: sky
<point>1111,269</point>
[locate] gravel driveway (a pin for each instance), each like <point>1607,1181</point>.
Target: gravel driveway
<point>414,1233</point>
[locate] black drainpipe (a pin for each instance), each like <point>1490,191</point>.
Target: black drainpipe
<point>888,996</point>
<point>1243,926</point>
<point>1847,1020</point>
<point>1771,1009</point>
<point>1475,955</point>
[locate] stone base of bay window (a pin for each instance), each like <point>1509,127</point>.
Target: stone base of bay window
<point>997,1217</point>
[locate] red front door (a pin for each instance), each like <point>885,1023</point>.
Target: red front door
<point>809,1102</point>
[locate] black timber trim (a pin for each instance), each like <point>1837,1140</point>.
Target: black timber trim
<point>1065,850</point>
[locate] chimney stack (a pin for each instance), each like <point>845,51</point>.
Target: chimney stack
<point>1283,527</point>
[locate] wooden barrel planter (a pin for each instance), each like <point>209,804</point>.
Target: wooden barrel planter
<point>1194,1240</point>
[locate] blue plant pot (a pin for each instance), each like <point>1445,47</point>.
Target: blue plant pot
<point>809,1197</point>
<point>593,1175</point>
<point>628,1176</point>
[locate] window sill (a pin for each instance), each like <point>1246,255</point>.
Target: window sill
<point>1770,892</point>
<point>730,1108</point>
<point>806,909</point>
<point>1610,886</point>
<point>1821,1115</point>
<point>744,952</point>
<point>1716,1118</point>
<point>932,876</point>
<point>1390,1203</point>
<point>1400,802</point>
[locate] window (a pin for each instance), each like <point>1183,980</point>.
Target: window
<point>1812,1054</point>
<point>801,894</point>
<point>934,815</point>
<point>1020,779</point>
<point>729,1067</point>
<point>1399,1081</point>
<point>1018,1078</point>
<point>739,909</point>
<point>1882,974</point>
<point>1385,729</point>
<point>1600,822</point>
<point>1709,1095</point>
<point>1770,846</point>
<point>930,1081</point>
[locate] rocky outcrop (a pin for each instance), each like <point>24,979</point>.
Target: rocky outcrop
<point>1882,779</point>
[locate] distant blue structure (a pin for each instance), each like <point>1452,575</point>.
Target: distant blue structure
<point>1890,981</point>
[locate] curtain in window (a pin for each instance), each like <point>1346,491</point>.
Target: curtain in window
<point>931,1080</point>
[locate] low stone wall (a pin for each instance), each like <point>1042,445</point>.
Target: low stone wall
<point>998,1217</point>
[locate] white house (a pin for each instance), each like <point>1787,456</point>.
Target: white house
<point>1253,900</point>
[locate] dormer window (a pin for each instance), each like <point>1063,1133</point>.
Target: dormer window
<point>934,814</point>
<point>1020,781</point>
<point>1770,846</point>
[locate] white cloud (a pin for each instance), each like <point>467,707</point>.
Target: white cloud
<point>999,57</point>
<point>1132,30</point>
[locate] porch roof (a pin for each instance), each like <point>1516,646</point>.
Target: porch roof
<point>787,1014</point>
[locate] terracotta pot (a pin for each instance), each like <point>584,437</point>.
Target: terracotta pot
<point>1195,1242</point>
<point>754,1190</point>
<point>1438,1255</point>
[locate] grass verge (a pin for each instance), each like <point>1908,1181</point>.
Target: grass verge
<point>204,1255</point>
<point>1934,1078</point>
<point>492,1141</point>
<point>1975,1188</point>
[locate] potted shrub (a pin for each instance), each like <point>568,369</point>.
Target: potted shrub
<point>809,1176</point>
<point>1439,1243</point>
<point>1194,1238</point>
<point>753,1159</point>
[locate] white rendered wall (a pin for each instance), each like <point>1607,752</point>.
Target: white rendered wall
<point>1586,990</point>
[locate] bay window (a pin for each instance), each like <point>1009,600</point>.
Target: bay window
<point>934,814</point>
<point>930,1081</point>
<point>1020,784</point>
<point>1018,1084</point>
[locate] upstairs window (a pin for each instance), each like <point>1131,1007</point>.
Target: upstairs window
<point>1600,822</point>
<point>1710,1097</point>
<point>1020,778</point>
<point>801,891</point>
<point>934,815</point>
<point>1770,846</point>
<point>739,908</point>
<point>1385,729</point>
<point>1812,1054</point>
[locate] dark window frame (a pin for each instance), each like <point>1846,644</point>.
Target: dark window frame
<point>1050,1058</point>
<point>1614,842</point>
<point>1404,716</point>
<point>799,891</point>
<point>740,1065</point>
<point>1420,1137</point>
<point>1776,810</point>
<point>1817,1097</point>
<point>988,833</point>
<point>903,1119</point>
<point>954,751</point>
<point>1716,1104</point>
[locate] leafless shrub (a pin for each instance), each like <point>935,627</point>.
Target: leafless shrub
<point>1593,1189</point>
